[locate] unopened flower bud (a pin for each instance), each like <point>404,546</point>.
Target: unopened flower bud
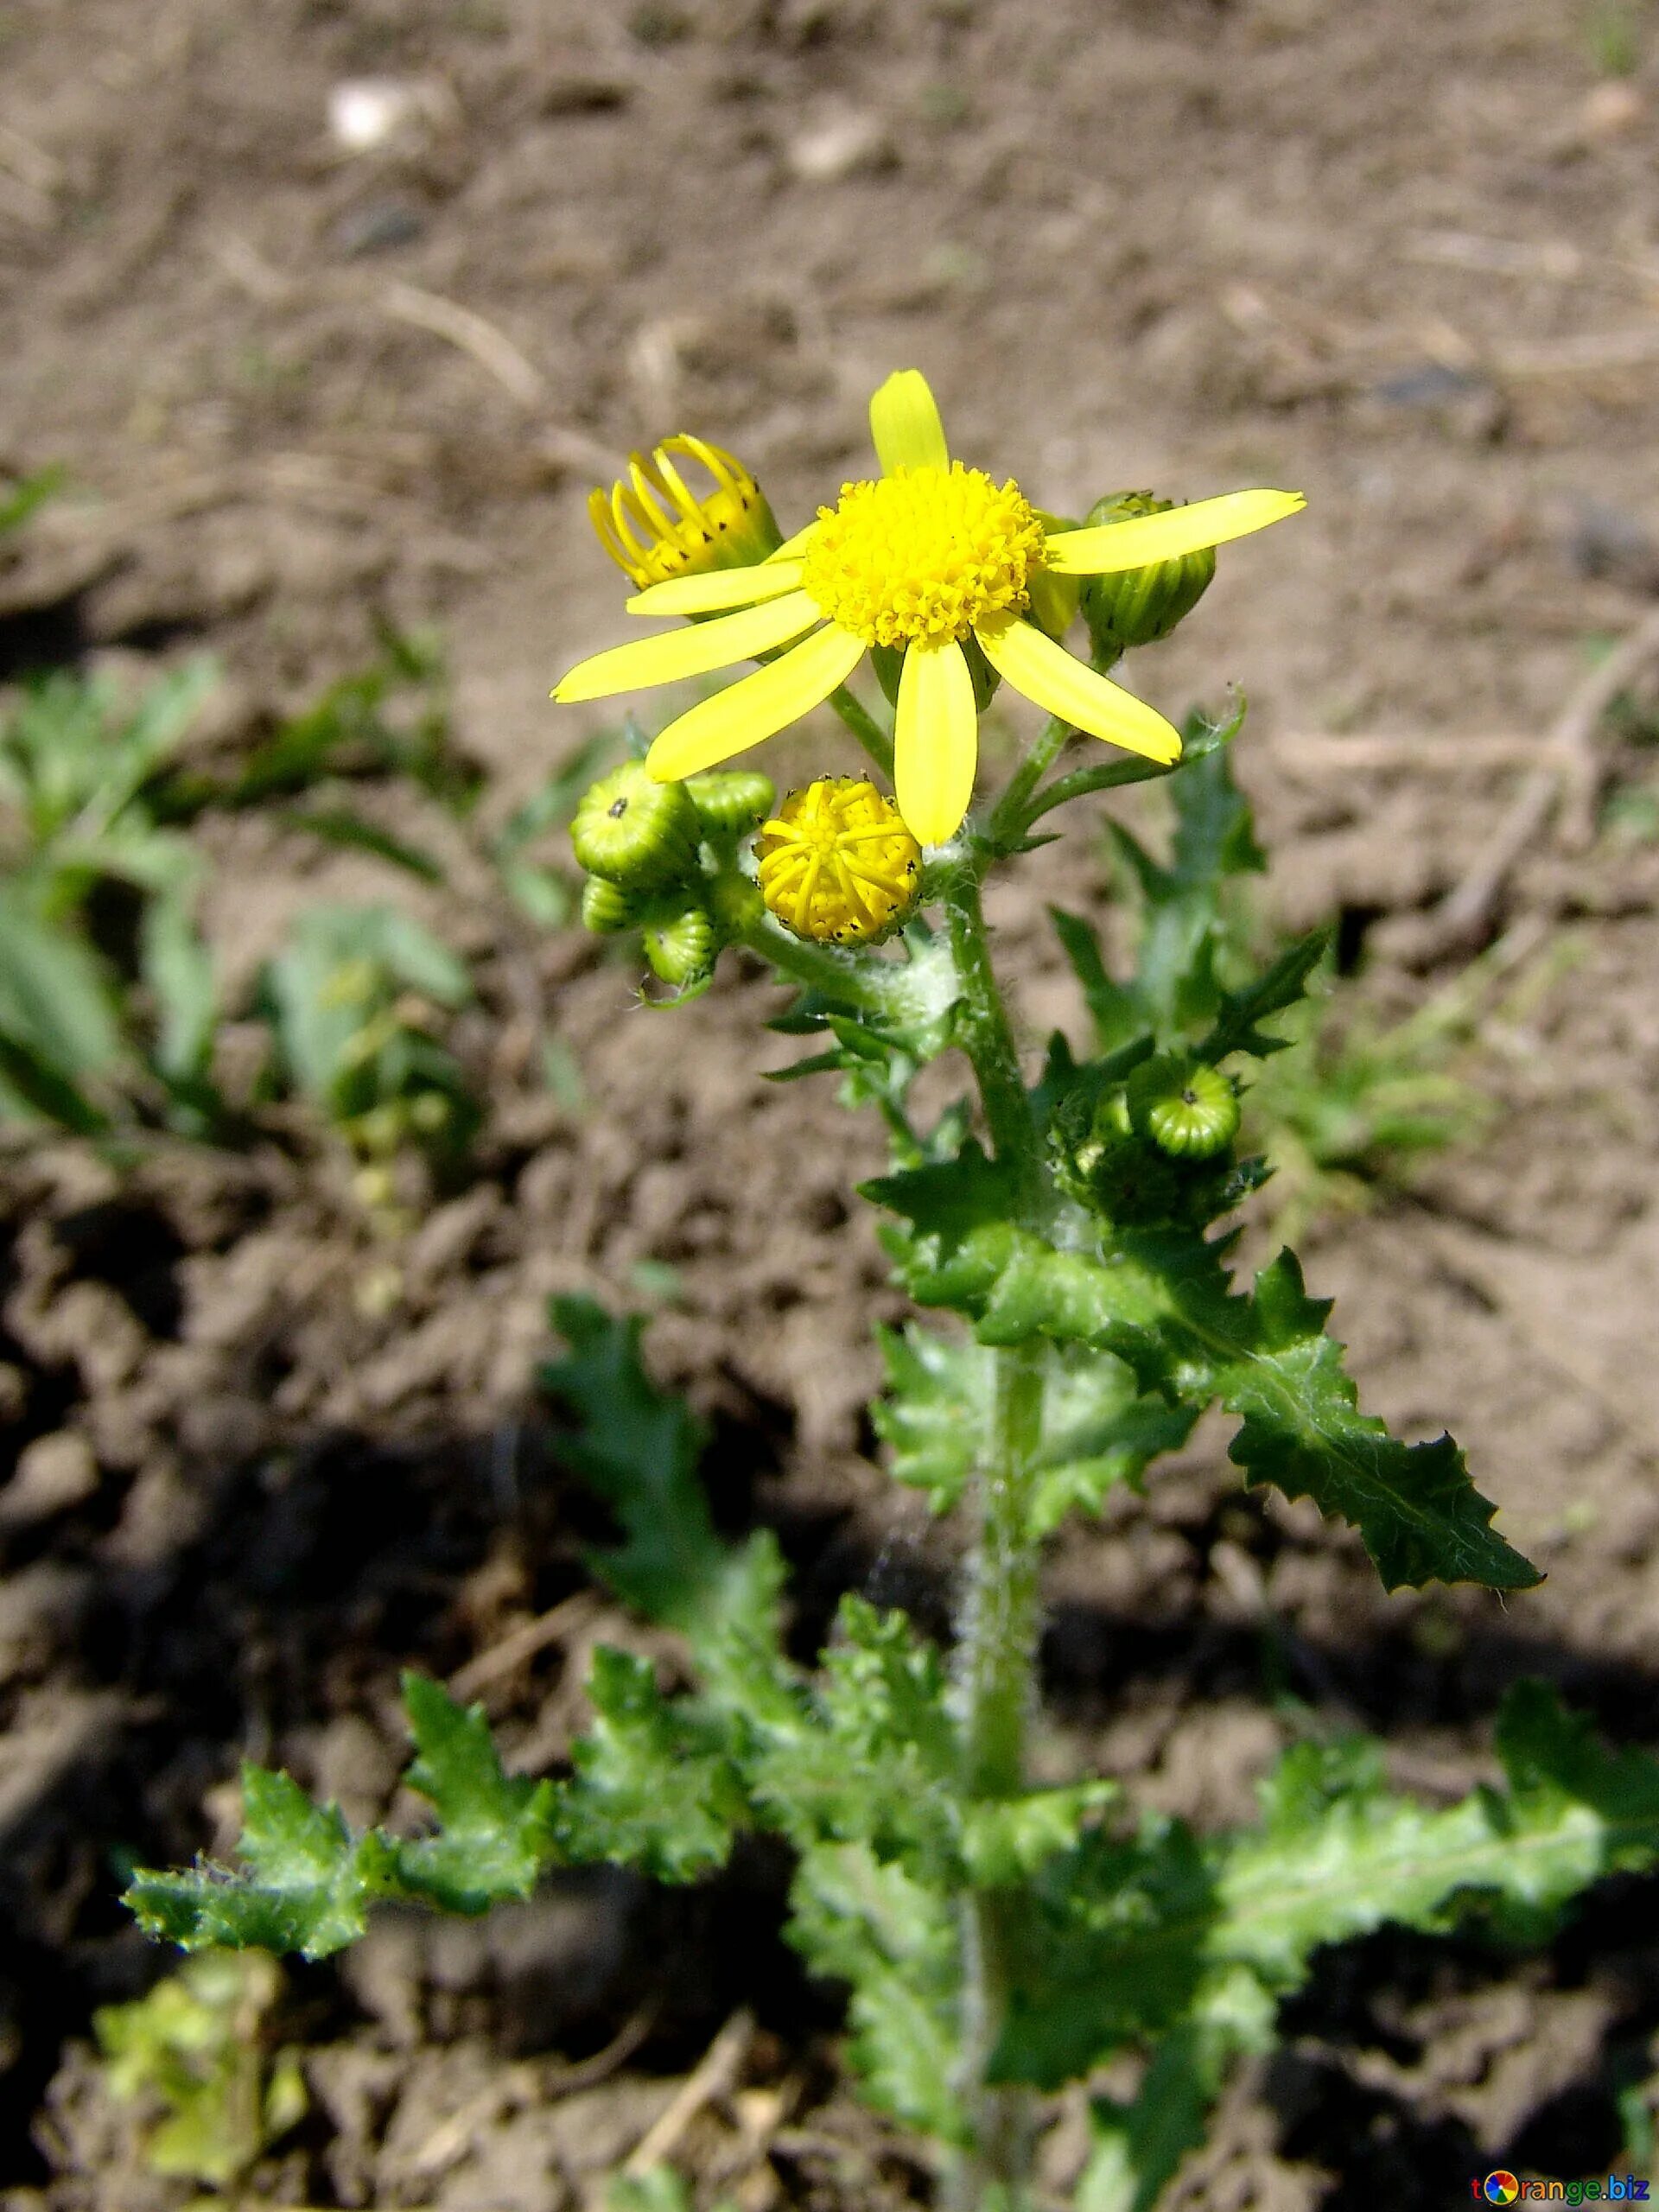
<point>732,802</point>
<point>636,832</point>
<point>1186,1109</point>
<point>1137,607</point>
<point>682,951</point>
<point>606,907</point>
<point>655,525</point>
<point>836,862</point>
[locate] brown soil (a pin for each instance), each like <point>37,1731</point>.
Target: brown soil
<point>1399,256</point>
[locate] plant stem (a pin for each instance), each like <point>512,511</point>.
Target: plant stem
<point>865,727</point>
<point>1007,816</point>
<point>983,1033</point>
<point>996,1647</point>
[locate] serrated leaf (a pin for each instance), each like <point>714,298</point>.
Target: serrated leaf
<point>1135,1940</point>
<point>637,1447</point>
<point>894,1941</point>
<point>306,1889</point>
<point>654,1785</point>
<point>1236,1027</point>
<point>1098,1429</point>
<point>1419,1515</point>
<point>495,1835</point>
<point>873,1757</point>
<point>1159,1300</point>
<point>1117,1014</point>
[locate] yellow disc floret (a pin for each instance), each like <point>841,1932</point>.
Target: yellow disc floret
<point>922,555</point>
<point>838,862</point>
<point>655,525</point>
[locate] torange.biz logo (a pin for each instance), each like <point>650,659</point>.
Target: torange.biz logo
<point>1505,2187</point>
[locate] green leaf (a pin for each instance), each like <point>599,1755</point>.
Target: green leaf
<point>345,827</point>
<point>26,493</point>
<point>179,970</point>
<point>1158,1300</point>
<point>895,1940</point>
<point>308,1887</point>
<point>1098,1429</point>
<point>1135,1940</point>
<point>1282,985</point>
<point>873,1758</point>
<point>496,1832</point>
<point>655,1786</point>
<point>1118,1015</point>
<point>59,1018</point>
<point>637,1448</point>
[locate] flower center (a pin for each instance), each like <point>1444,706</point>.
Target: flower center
<point>922,556</point>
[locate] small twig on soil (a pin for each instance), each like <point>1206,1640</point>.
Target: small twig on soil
<point>1572,770</point>
<point>1411,748</point>
<point>715,2076</point>
<point>588,2073</point>
<point>492,348</point>
<point>522,1643</point>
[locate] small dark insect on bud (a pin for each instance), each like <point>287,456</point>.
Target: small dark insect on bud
<point>636,832</point>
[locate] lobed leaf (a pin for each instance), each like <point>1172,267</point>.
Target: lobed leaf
<point>1159,1300</point>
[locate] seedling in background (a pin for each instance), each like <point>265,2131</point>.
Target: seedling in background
<point>355,999</point>
<point>998,1939</point>
<point>198,2047</point>
<point>97,908</point>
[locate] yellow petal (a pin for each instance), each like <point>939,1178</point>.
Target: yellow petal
<point>1046,672</point>
<point>758,706</point>
<point>1111,547</point>
<point>720,589</point>
<point>934,742</point>
<point>905,426</point>
<point>694,651</point>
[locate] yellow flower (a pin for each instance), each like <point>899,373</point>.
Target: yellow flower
<point>654,525</point>
<point>837,861</point>
<point>929,556</point>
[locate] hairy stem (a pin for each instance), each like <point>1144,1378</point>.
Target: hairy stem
<point>1008,815</point>
<point>996,1648</point>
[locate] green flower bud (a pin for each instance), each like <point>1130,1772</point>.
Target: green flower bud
<point>606,907</point>
<point>682,951</point>
<point>730,803</point>
<point>636,832</point>
<point>1138,606</point>
<point>1184,1109</point>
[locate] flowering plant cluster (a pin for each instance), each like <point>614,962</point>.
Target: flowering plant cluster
<point>999,1938</point>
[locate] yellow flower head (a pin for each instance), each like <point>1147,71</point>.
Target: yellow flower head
<point>837,861</point>
<point>654,525</point>
<point>929,556</point>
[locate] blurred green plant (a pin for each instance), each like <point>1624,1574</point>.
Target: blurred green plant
<point>105,985</point>
<point>109,1009</point>
<point>21,495</point>
<point>1614,33</point>
<point>198,2046</point>
<point>353,1000</point>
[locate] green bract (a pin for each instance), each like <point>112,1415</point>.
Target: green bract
<point>1137,607</point>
